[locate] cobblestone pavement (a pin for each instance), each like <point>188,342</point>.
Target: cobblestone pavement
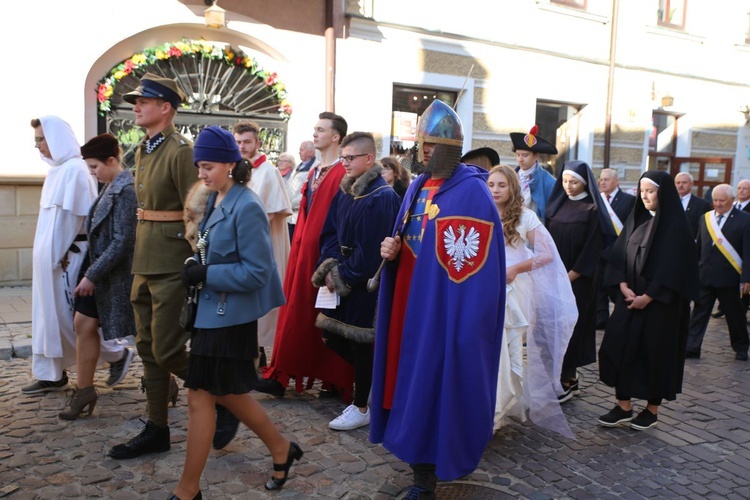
<point>699,449</point>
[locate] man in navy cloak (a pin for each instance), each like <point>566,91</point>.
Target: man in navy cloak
<point>440,314</point>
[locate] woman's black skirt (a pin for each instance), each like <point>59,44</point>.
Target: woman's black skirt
<point>222,359</point>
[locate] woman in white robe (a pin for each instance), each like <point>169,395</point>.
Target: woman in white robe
<point>540,312</point>
<point>59,250</point>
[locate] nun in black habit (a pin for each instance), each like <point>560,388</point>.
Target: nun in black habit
<point>580,226</point>
<point>653,270</point>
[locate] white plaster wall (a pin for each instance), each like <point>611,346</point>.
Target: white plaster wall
<point>58,63</point>
<point>67,48</point>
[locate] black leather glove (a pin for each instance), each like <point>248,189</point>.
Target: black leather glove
<point>193,273</point>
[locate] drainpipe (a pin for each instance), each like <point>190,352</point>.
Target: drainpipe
<point>330,37</point>
<point>610,83</point>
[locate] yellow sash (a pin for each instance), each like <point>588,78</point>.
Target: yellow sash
<point>726,248</point>
<point>616,222</point>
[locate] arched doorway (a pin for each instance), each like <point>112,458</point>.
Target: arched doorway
<point>223,84</point>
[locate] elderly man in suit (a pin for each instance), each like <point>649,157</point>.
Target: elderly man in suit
<point>694,206</point>
<point>619,205</point>
<point>742,202</point>
<point>724,249</point>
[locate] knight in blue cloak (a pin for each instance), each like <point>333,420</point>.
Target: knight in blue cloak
<point>440,314</point>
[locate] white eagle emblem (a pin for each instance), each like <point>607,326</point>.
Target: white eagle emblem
<point>461,248</point>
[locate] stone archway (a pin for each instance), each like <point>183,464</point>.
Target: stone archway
<point>223,85</point>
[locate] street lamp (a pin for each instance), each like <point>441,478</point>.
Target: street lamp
<point>215,16</point>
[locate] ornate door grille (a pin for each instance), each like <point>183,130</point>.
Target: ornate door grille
<point>223,86</point>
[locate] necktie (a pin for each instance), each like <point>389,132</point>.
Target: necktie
<point>608,198</point>
<point>719,218</point>
<point>737,205</point>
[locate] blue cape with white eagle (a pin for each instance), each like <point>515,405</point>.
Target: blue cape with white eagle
<point>444,400</point>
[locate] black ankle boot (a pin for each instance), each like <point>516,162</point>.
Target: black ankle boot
<point>153,439</point>
<point>226,427</point>
<point>270,386</point>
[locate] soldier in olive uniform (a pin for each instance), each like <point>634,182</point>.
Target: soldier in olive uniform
<point>164,174</point>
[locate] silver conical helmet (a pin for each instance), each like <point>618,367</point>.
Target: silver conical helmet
<point>439,124</point>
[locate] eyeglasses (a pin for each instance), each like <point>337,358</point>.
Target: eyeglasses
<point>38,140</point>
<point>350,158</point>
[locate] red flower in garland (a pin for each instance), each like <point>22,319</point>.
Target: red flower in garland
<point>174,52</point>
<point>102,93</point>
<point>271,79</point>
<point>129,66</point>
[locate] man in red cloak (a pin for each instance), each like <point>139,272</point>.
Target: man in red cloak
<point>298,349</point>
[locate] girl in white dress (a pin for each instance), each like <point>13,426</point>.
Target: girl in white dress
<point>540,312</point>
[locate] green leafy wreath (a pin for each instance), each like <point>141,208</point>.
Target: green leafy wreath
<point>186,47</point>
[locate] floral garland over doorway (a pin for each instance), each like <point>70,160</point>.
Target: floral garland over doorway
<point>225,54</point>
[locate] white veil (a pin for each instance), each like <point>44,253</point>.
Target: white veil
<point>542,306</point>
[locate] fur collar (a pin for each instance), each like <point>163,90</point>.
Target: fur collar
<point>358,186</point>
<point>195,209</point>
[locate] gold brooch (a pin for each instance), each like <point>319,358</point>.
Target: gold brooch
<point>433,211</point>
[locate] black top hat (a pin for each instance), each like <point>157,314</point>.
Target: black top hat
<point>157,87</point>
<point>532,142</point>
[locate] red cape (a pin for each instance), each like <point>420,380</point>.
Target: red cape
<point>298,349</point>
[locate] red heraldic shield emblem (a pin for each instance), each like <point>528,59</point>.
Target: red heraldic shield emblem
<point>461,245</point>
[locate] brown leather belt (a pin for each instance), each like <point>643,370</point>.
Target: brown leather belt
<point>159,215</point>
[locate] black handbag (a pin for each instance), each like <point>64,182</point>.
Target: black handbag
<point>189,308</point>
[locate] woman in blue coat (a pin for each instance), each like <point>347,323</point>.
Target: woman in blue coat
<point>239,283</point>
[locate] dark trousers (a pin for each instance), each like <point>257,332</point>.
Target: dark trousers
<point>359,355</point>
<point>734,311</point>
<point>160,340</point>
<point>424,476</point>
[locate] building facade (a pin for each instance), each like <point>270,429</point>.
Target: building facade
<point>654,84</point>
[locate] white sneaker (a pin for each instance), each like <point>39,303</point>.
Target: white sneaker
<point>350,419</point>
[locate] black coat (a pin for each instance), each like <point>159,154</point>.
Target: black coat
<point>695,209</point>
<point>622,204</point>
<point>715,269</point>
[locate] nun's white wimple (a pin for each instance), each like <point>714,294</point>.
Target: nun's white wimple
<point>576,175</point>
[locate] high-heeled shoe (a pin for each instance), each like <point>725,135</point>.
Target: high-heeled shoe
<point>78,403</point>
<point>174,391</point>
<point>295,453</point>
<point>199,496</point>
